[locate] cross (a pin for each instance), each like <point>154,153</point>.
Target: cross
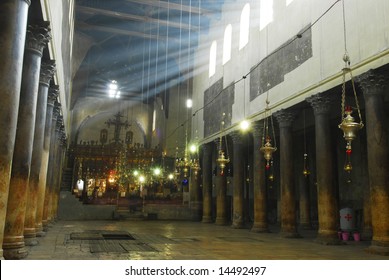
<point>118,126</point>
<point>348,217</point>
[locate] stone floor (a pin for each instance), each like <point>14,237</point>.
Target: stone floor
<point>176,240</point>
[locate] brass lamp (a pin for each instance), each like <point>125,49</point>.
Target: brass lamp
<point>348,125</point>
<point>267,149</point>
<point>222,161</point>
<point>196,167</point>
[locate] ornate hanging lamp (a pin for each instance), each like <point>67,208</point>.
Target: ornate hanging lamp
<point>222,160</point>
<point>306,171</point>
<point>348,124</point>
<point>267,148</point>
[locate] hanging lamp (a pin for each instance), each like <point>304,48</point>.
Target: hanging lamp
<point>222,160</point>
<point>267,148</point>
<point>348,124</point>
<point>306,171</point>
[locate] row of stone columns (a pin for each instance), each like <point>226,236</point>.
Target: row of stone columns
<point>26,119</point>
<point>376,206</point>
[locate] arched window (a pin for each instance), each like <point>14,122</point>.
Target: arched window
<point>212,59</point>
<point>288,2</point>
<point>265,13</point>
<point>244,26</point>
<point>227,43</point>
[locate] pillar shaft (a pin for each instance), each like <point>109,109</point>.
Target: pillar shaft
<point>305,206</point>
<point>328,212</point>
<point>288,197</point>
<point>207,182</point>
<point>50,161</point>
<point>58,165</point>
<point>259,182</point>
<point>13,244</point>
<point>237,181</point>
<point>221,194</point>
<point>374,87</point>
<point>47,71</point>
<point>53,93</point>
<point>13,23</point>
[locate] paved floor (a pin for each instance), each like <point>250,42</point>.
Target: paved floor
<point>175,240</point>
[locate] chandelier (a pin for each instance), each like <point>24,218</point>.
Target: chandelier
<point>348,124</point>
<point>267,148</point>
<point>222,160</point>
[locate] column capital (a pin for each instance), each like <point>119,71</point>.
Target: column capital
<point>285,117</point>
<point>38,35</point>
<point>257,129</point>
<point>372,83</point>
<point>236,137</point>
<point>56,110</point>
<point>47,71</point>
<point>53,94</point>
<point>320,103</point>
<point>207,148</point>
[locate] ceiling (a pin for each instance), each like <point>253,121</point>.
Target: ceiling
<point>144,45</point>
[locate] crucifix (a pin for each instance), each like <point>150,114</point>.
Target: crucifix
<point>118,126</point>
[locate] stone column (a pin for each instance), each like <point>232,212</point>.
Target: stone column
<point>305,209</point>
<point>48,189</point>
<point>328,212</point>
<point>221,194</point>
<point>59,159</point>
<point>194,188</point>
<point>13,23</point>
<point>47,71</point>
<point>285,120</point>
<point>237,180</point>
<point>13,244</point>
<point>375,86</point>
<point>53,94</point>
<point>207,182</point>
<point>53,169</point>
<point>259,182</point>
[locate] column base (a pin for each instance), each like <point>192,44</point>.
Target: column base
<point>221,221</point>
<point>285,234</point>
<point>260,228</point>
<point>367,234</point>
<point>206,219</point>
<point>307,226</point>
<point>30,237</point>
<point>45,224</point>
<point>378,250</point>
<point>237,225</point>
<point>328,240</point>
<point>31,241</point>
<point>40,233</point>
<point>14,248</point>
